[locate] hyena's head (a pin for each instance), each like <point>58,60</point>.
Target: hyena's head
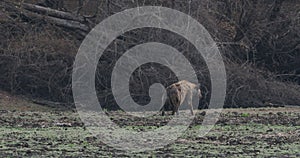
<point>174,94</point>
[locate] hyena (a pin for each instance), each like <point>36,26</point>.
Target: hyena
<point>179,92</point>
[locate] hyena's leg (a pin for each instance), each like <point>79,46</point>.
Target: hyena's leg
<point>178,102</point>
<point>177,111</point>
<point>163,104</point>
<point>190,102</point>
<point>174,110</point>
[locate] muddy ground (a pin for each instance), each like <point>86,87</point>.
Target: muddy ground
<point>30,130</point>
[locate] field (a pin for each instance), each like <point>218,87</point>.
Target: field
<point>258,41</point>
<point>30,130</point>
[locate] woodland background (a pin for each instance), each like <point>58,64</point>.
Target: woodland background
<point>258,39</point>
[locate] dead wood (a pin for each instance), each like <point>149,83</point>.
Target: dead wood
<point>59,18</point>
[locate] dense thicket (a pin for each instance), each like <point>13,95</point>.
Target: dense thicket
<point>259,40</point>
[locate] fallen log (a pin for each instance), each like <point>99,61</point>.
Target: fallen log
<point>59,18</point>
<point>53,12</point>
<point>58,21</point>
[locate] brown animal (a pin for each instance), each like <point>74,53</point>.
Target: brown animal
<point>178,92</point>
